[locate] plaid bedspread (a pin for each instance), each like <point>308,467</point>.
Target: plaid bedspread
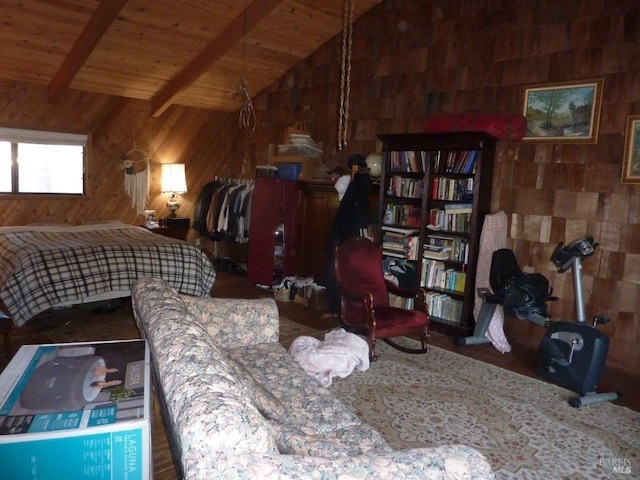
<point>44,266</point>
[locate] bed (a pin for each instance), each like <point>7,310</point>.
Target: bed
<point>47,266</point>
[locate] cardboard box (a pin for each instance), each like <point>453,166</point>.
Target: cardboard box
<point>77,410</point>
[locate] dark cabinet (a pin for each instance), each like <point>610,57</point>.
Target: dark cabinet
<point>274,232</point>
<point>319,205</point>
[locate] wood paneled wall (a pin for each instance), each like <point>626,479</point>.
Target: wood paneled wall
<point>414,59</point>
<point>206,141</point>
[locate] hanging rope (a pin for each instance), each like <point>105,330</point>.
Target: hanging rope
<point>136,184</point>
<point>345,75</point>
<point>247,118</point>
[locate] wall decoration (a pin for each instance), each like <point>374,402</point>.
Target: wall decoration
<point>136,183</point>
<point>631,159</point>
<point>567,112</point>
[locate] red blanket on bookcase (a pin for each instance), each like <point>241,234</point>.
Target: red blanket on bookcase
<point>502,125</point>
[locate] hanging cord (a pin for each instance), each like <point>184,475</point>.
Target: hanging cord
<point>247,117</point>
<point>345,76</point>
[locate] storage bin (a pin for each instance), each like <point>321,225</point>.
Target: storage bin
<point>289,171</point>
<point>281,294</point>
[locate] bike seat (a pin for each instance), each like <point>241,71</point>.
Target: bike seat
<point>564,255</point>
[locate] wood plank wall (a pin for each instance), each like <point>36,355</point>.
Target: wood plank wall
<point>414,59</point>
<point>411,60</point>
<point>206,141</point>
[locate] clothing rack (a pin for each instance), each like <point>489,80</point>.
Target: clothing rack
<point>223,209</point>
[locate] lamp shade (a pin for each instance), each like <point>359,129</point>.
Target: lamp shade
<point>173,178</point>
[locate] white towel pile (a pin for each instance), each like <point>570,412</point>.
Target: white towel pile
<point>338,355</point>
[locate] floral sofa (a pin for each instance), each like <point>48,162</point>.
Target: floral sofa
<point>236,405</point>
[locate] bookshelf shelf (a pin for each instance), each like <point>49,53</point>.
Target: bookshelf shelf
<point>438,185</point>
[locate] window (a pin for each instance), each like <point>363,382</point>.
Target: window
<point>33,161</point>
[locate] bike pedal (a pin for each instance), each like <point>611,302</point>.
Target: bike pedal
<point>600,320</point>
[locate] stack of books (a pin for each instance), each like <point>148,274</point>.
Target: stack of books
<point>400,242</point>
<point>446,247</point>
<point>407,215</point>
<point>435,274</point>
<point>455,217</point>
<point>407,161</point>
<point>444,307</point>
<point>454,161</point>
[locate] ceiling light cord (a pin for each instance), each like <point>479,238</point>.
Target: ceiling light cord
<point>345,74</point>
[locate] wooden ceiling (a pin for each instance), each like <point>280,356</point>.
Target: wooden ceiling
<point>185,52</point>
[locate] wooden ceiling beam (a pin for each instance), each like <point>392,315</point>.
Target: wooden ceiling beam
<point>232,33</point>
<point>96,27</point>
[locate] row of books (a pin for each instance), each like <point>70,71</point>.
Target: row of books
<point>435,274</point>
<point>458,161</point>
<point>405,187</point>
<point>444,188</point>
<point>394,247</point>
<point>446,247</point>
<point>444,307</point>
<point>400,242</point>
<point>406,215</point>
<point>457,218</point>
<point>407,161</point>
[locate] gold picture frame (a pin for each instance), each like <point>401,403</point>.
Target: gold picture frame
<point>565,112</point>
<point>631,159</point>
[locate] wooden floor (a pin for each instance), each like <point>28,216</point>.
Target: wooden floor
<point>521,359</point>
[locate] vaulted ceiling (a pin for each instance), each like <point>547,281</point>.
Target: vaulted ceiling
<point>184,52</point>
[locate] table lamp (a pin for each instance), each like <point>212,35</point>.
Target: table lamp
<point>173,183</point>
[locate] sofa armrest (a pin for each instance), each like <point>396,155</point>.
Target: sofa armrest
<point>233,322</point>
<point>447,461</point>
<point>230,322</point>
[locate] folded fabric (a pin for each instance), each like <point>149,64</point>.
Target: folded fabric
<point>338,355</point>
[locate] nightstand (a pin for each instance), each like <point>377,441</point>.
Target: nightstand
<point>175,228</point>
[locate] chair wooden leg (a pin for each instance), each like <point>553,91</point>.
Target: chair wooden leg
<point>372,349</point>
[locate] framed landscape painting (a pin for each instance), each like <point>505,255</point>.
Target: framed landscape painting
<point>565,112</point>
<point>631,160</point>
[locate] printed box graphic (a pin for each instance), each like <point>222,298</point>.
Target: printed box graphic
<point>77,410</point>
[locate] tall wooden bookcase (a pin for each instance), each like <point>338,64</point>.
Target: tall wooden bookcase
<point>435,190</point>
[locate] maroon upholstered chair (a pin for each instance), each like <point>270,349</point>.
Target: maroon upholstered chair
<point>364,297</point>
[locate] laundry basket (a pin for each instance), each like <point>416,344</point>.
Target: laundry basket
<point>282,294</point>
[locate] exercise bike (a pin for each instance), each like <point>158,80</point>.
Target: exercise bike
<point>573,354</point>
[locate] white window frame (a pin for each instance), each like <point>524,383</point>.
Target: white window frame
<point>19,135</point>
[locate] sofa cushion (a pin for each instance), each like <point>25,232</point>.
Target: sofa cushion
<point>309,406</point>
<point>351,441</point>
<point>265,401</point>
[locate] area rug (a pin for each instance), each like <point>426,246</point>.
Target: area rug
<point>290,330</point>
<point>524,426</point>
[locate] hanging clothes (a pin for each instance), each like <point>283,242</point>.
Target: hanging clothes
<point>202,206</point>
<point>222,210</point>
